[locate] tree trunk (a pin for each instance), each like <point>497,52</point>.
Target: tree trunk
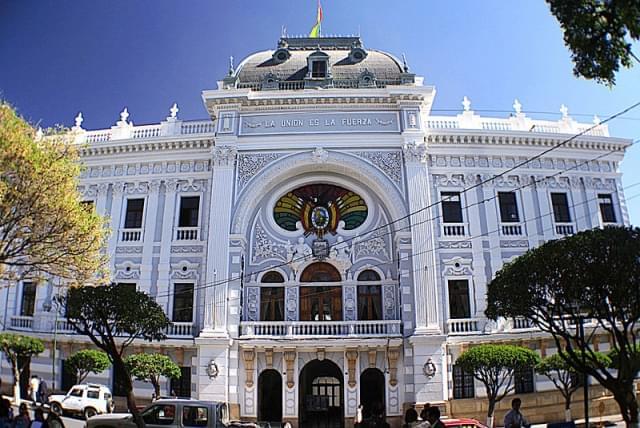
<point>567,408</point>
<point>16,383</point>
<point>156,386</point>
<point>628,407</point>
<point>128,385</point>
<point>490,410</point>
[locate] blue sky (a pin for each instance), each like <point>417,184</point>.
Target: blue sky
<point>58,57</point>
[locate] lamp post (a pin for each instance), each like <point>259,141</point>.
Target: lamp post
<point>585,376</point>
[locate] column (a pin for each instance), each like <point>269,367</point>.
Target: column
<point>116,214</point>
<point>224,158</point>
<point>101,200</point>
<point>148,236</point>
<point>426,306</point>
<point>164,265</point>
<point>476,232</point>
<point>590,206</point>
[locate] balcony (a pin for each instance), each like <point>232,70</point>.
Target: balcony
<point>463,326</point>
<point>180,330</point>
<point>520,323</point>
<point>297,329</point>
<point>453,229</point>
<point>564,229</point>
<point>511,229</point>
<point>187,233</point>
<point>22,322</point>
<point>63,326</point>
<point>130,235</point>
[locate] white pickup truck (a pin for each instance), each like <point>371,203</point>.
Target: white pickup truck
<point>86,399</point>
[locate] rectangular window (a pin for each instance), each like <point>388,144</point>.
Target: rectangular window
<point>28,303</point>
<point>523,380</point>
<point>318,69</point>
<point>182,303</point>
<point>369,302</point>
<point>271,303</point>
<point>459,306</point>
<point>560,208</point>
<point>133,217</point>
<point>463,386</point>
<point>321,303</point>
<point>181,387</point>
<point>451,207</point>
<point>508,207</point>
<point>189,211</point>
<point>606,208</point>
<point>195,416</point>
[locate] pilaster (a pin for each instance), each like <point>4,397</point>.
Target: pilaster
<point>148,236</point>
<point>164,265</point>
<point>116,214</point>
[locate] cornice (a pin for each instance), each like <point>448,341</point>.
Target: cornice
<point>150,145</point>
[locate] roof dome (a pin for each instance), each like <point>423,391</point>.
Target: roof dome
<point>346,64</point>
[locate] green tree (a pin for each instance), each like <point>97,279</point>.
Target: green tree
<point>87,361</point>
<point>149,368</point>
<point>494,366</point>
<point>589,277</point>
<point>113,316</point>
<point>45,228</point>
<point>18,350</point>
<point>599,34</point>
<point>563,376</point>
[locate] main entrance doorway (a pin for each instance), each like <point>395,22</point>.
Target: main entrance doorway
<point>270,396</point>
<point>321,402</point>
<point>372,391</point>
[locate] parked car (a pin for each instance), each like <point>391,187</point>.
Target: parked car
<point>86,400</point>
<point>462,423</point>
<point>174,412</point>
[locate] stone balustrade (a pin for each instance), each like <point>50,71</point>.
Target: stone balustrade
<point>381,328</point>
<point>22,322</point>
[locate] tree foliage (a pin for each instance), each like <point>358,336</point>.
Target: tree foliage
<point>18,350</point>
<point>87,361</point>
<point>591,277</point>
<point>113,317</point>
<point>494,366</point>
<point>44,227</point>
<point>149,367</point>
<point>599,35</point>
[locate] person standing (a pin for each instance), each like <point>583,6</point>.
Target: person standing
<point>433,416</point>
<point>43,392</point>
<point>34,385</point>
<point>23,420</point>
<point>514,417</point>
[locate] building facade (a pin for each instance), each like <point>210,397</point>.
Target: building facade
<point>324,241</point>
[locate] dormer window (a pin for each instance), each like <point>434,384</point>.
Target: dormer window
<point>357,54</point>
<point>281,55</point>
<point>319,69</point>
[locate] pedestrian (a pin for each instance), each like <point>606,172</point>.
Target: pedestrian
<point>43,392</point>
<point>6,413</point>
<point>34,385</point>
<point>433,416</point>
<point>23,419</point>
<point>423,416</point>
<point>38,419</point>
<point>53,420</point>
<point>514,417</point>
<point>410,418</point>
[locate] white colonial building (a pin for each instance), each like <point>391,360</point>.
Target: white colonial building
<point>323,241</point>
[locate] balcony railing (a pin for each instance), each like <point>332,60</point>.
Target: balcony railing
<point>180,330</point>
<point>454,229</point>
<point>21,322</point>
<point>564,229</point>
<point>130,235</point>
<point>321,328</point>
<point>511,229</point>
<point>187,233</point>
<point>520,323</point>
<point>463,326</point>
<point>64,327</point>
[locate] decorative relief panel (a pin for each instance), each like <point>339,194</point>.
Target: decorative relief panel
<point>457,266</point>
<point>184,270</point>
<point>514,244</point>
<point>349,302</point>
<point>253,302</point>
<point>185,249</point>
<point>389,301</point>
<point>129,250</point>
<point>250,164</point>
<point>373,245</point>
<point>265,248</point>
<point>127,270</point>
<point>454,244</point>
<point>389,162</point>
<point>291,303</point>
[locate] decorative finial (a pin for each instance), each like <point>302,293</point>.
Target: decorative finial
<point>517,106</point>
<point>405,67</point>
<point>39,134</point>
<point>565,111</point>
<point>124,115</point>
<point>174,110</point>
<point>79,120</point>
<point>466,103</point>
<point>596,120</point>
<point>231,65</point>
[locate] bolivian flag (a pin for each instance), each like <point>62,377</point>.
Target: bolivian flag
<point>315,31</point>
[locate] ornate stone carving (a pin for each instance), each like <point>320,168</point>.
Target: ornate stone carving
<point>389,300</point>
<point>248,356</point>
<point>251,163</point>
<point>118,187</point>
<point>389,162</point>
<point>454,244</point>
<point>127,270</point>
<point>341,255</point>
<point>373,356</point>
<point>192,185</point>
<point>448,180</point>
<point>102,188</point>
<point>291,303</point>
<point>180,249</point>
<point>129,250</point>
<point>88,191</point>
<point>184,269</point>
<point>137,188</point>
<point>253,294</point>
<point>265,248</point>
<point>457,266</point>
<point>514,244</point>
<point>319,155</point>
<point>415,152</point>
<point>392,356</point>
<point>290,358</point>
<point>374,245</point>
<point>268,357</point>
<point>599,183</point>
<point>352,356</point>
<point>224,155</point>
<point>349,302</point>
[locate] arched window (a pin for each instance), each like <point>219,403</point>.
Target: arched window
<point>320,303</point>
<point>272,298</point>
<point>369,296</point>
